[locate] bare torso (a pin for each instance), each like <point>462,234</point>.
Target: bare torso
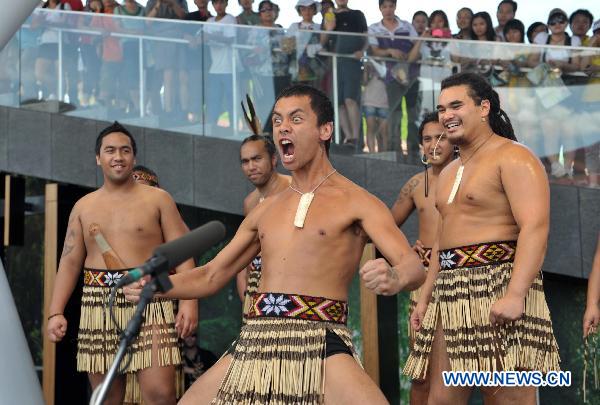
<point>412,197</point>
<point>254,198</point>
<point>321,258</point>
<point>481,211</point>
<point>426,210</point>
<point>131,223</point>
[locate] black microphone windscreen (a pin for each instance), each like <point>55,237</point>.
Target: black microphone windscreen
<point>194,243</point>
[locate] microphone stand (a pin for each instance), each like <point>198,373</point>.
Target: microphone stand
<point>159,282</point>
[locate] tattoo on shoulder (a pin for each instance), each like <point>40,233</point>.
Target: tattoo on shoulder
<point>408,188</point>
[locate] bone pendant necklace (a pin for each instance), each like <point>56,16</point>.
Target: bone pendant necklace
<point>461,169</point>
<point>305,200</point>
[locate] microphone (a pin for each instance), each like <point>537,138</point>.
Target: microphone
<point>175,252</point>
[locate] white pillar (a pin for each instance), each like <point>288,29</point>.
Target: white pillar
<point>18,382</point>
<point>11,21</point>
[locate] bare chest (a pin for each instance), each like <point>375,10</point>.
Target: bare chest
<point>478,187</point>
<point>327,222</point>
<point>129,222</point>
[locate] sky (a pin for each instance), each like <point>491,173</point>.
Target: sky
<point>528,11</point>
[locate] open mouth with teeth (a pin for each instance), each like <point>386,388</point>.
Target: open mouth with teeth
<point>452,124</point>
<point>287,149</point>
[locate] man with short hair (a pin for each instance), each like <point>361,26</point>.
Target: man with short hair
<point>350,49</point>
<point>581,21</point>
<point>134,219</point>
<point>401,77</point>
<point>483,306</point>
<point>507,9</point>
<point>311,237</point>
<point>258,157</point>
<point>247,16</point>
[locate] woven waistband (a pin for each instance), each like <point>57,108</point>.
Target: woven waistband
<point>102,278</point>
<point>481,254</point>
<point>283,305</point>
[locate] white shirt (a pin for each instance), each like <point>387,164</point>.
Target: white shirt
<point>403,28</point>
<point>221,49</point>
<point>555,54</point>
<point>51,18</point>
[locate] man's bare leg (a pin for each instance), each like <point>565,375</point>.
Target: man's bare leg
<point>354,117</point>
<point>345,123</point>
<point>509,395</point>
<point>205,389</point>
<point>372,134</point>
<point>419,392</point>
<point>347,383</point>
<point>439,362</point>
<point>157,384</point>
<point>116,394</point>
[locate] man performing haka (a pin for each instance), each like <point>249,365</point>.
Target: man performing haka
<point>259,160</point>
<point>418,193</point>
<point>295,346</point>
<point>135,219</point>
<point>488,311</point>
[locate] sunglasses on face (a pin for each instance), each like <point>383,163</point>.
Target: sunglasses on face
<point>264,10</point>
<point>558,20</point>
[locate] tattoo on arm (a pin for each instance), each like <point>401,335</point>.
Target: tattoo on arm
<point>69,244</point>
<point>407,190</point>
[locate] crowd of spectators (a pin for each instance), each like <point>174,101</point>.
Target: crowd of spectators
<point>386,78</point>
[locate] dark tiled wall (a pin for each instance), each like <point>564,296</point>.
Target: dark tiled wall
<point>205,172</point>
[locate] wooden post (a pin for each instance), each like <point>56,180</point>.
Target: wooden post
<point>6,240</point>
<point>368,322</point>
<point>50,268</point>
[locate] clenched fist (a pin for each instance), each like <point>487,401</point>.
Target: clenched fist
<point>57,328</point>
<point>380,277</point>
<point>507,309</point>
<point>418,315</point>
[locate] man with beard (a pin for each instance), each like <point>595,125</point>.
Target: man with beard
<point>258,159</point>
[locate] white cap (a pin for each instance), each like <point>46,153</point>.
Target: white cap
<point>307,3</point>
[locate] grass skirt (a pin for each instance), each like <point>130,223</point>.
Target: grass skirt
<point>462,298</point>
<point>280,358</point>
<point>98,339</point>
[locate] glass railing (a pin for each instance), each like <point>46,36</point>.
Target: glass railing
<point>192,77</point>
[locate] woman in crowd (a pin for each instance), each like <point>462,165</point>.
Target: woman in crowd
<point>555,118</point>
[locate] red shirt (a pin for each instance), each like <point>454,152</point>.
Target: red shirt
<point>76,5</point>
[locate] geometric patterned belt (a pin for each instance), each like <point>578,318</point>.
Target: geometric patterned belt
<point>283,305</point>
<point>102,278</point>
<point>481,254</point>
